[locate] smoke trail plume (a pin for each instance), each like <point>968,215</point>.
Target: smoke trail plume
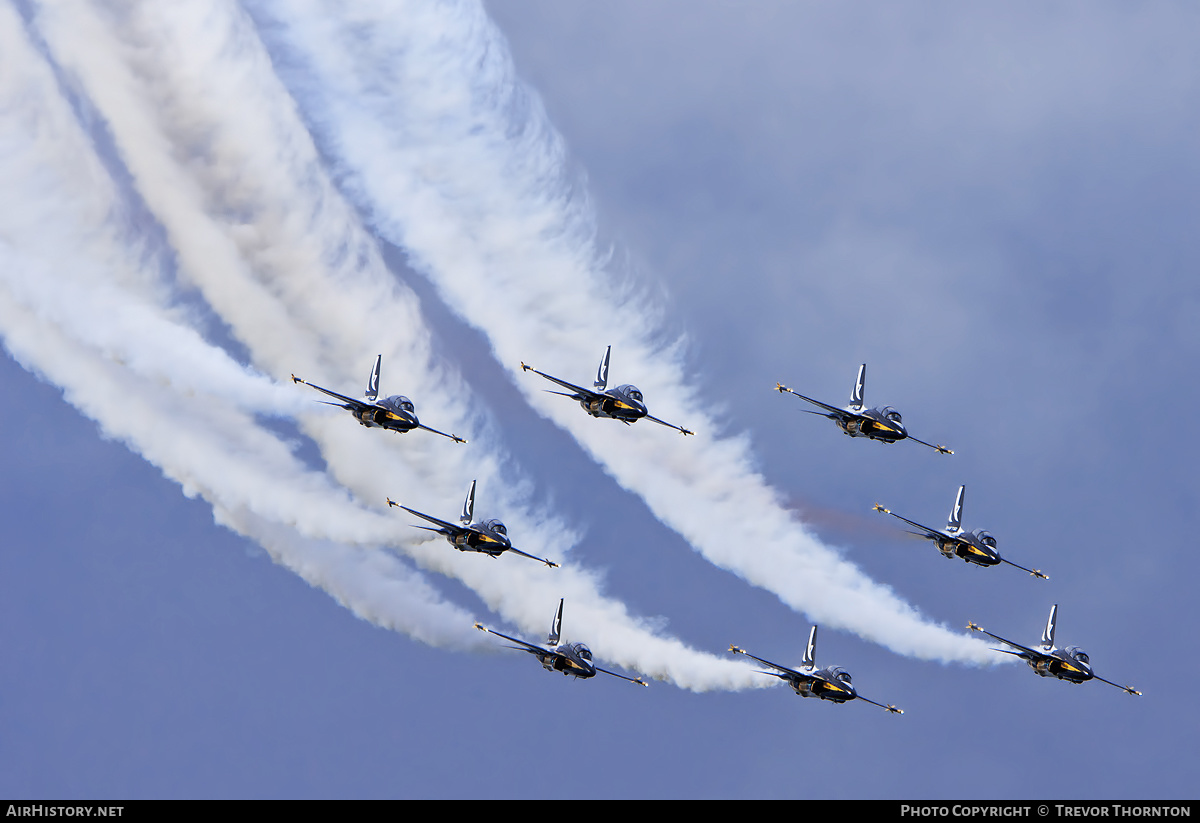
<point>78,307</point>
<point>293,289</point>
<point>454,160</point>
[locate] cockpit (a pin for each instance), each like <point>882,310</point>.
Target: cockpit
<point>1079,654</point>
<point>399,402</point>
<point>497,527</point>
<point>841,674</point>
<point>986,539</point>
<point>632,392</point>
<point>891,414</point>
<point>584,652</point>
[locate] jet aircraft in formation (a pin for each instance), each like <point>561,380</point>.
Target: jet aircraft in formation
<point>978,547</point>
<point>573,659</point>
<point>624,403</point>
<point>856,420</point>
<point>830,683</point>
<point>396,412</point>
<point>486,536</point>
<point>1071,664</point>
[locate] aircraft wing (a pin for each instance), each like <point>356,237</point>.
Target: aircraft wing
<point>451,528</point>
<point>669,425</point>
<point>540,651</point>
<point>834,411</point>
<point>889,707</point>
<point>580,391</point>
<point>1034,572</point>
<point>549,563</point>
<point>453,437</point>
<point>1026,651</point>
<point>788,673</point>
<point>351,403</point>
<point>1126,689</point>
<point>637,680</point>
<point>936,446</point>
<point>932,533</point>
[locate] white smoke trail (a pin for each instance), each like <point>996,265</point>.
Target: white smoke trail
<point>69,311</point>
<point>46,157</point>
<point>228,220</point>
<point>371,583</point>
<point>454,160</point>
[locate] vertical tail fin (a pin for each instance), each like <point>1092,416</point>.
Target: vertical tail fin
<point>468,512</point>
<point>1048,632</point>
<point>602,373</point>
<point>373,380</point>
<point>810,651</point>
<point>555,627</point>
<point>856,396</point>
<point>954,522</point>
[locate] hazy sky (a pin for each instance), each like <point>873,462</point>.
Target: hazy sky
<point>993,208</point>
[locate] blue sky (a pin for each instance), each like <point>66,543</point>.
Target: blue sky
<point>994,209</point>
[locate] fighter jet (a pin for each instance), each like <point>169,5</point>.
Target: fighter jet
<point>1070,664</point>
<point>978,547</point>
<point>487,536</point>
<point>830,683</point>
<point>396,412</point>
<point>573,659</point>
<point>624,403</point>
<point>856,420</point>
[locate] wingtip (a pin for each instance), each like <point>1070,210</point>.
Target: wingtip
<point>1038,573</point>
<point>1132,690</point>
<point>458,439</point>
<point>736,650</point>
<point>893,709</point>
<point>973,627</point>
<point>879,508</point>
<point>392,502</point>
<point>686,432</point>
<point>551,564</point>
<point>524,366</point>
<point>481,627</point>
<point>641,682</point>
<point>943,450</point>
<point>296,379</point>
<point>779,387</point>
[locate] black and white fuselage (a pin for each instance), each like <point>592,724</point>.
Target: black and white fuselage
<point>570,659</point>
<point>884,424</point>
<point>831,683</point>
<point>488,537</point>
<point>395,413</point>
<point>624,403</point>
<point>977,547</point>
<point>1071,663</point>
